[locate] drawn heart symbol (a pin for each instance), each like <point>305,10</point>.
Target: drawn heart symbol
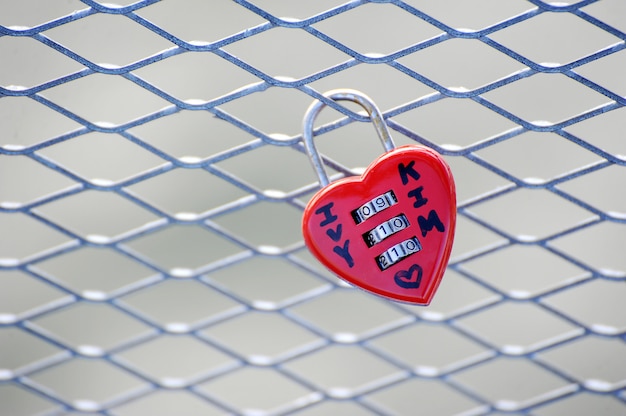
<point>405,278</point>
<point>389,231</point>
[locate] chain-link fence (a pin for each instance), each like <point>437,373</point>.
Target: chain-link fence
<point>152,181</point>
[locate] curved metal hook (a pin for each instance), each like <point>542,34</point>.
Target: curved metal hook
<point>341,95</point>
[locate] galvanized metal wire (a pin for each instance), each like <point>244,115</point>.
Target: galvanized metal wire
<point>460,387</point>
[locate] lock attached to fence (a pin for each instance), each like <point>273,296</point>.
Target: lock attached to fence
<point>389,231</point>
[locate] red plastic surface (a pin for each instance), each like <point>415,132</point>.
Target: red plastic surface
<point>424,188</point>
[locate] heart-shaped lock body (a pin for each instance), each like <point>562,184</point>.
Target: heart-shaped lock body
<point>389,231</point>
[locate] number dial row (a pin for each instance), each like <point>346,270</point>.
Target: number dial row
<point>374,206</point>
<point>398,252</point>
<point>385,229</point>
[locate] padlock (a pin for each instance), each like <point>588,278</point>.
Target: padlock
<point>390,230</point>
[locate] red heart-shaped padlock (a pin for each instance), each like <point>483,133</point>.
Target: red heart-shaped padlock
<point>389,231</point>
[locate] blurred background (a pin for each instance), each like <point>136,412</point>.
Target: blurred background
<point>153,179</point>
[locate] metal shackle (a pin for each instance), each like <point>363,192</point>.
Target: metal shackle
<point>341,95</point>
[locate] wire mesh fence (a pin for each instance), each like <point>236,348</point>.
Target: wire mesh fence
<point>152,181</point>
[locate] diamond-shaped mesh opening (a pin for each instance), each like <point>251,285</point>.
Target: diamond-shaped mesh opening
<point>18,130</point>
<point>537,40</point>
<point>108,34</point>
<point>101,159</point>
<point>153,178</point>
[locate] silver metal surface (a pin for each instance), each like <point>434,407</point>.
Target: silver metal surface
<point>313,111</point>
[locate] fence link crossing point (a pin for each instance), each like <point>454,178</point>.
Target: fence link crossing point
<point>153,178</point>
